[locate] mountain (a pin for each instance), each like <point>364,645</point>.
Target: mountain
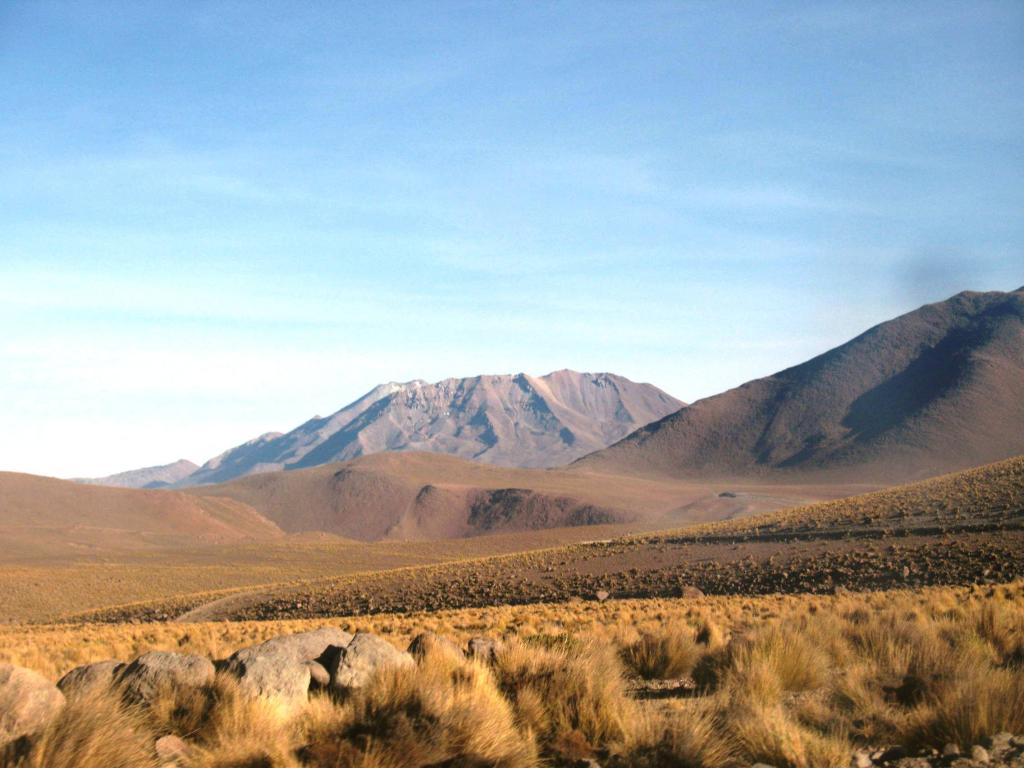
<point>511,420</point>
<point>148,477</point>
<point>935,390</point>
<point>47,517</point>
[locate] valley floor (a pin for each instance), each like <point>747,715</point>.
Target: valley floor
<point>885,629</point>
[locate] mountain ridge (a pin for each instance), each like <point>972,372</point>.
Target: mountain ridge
<point>936,389</point>
<point>160,476</point>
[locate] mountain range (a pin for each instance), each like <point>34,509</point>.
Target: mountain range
<point>932,391</point>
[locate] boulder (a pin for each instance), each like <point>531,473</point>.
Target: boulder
<point>89,678</point>
<point>690,592</point>
<point>303,646</point>
<point>353,665</point>
<point>319,677</point>
<point>172,749</point>
<point>484,648</point>
<point>28,701</point>
<point>274,677</point>
<point>145,678</point>
<point>980,755</point>
<point>283,668</point>
<point>429,642</point>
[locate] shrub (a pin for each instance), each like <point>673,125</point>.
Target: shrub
<point>564,697</point>
<point>443,711</point>
<point>669,654</point>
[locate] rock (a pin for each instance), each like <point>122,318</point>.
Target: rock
<point>980,755</point>
<point>601,595</point>
<point>89,678</point>
<point>145,677</point>
<point>951,750</point>
<point>691,592</point>
<point>273,677</point>
<point>890,754</point>
<point>172,749</point>
<point>1001,743</point>
<point>761,765</point>
<point>429,642</point>
<point>484,648</point>
<point>319,677</point>
<point>353,666</point>
<point>302,646</point>
<point>861,759</point>
<point>28,701</point>
<point>283,668</point>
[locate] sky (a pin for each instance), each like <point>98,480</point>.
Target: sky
<point>218,219</point>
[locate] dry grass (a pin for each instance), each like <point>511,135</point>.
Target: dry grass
<point>789,681</point>
<point>443,712</point>
<point>94,731</point>
<point>669,653</point>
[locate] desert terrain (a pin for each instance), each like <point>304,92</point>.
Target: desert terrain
<point>885,628</point>
<point>742,581</point>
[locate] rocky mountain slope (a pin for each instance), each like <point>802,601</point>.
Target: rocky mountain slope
<point>938,389</point>
<point>510,420</point>
<point>147,477</point>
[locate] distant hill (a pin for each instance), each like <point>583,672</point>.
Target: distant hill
<point>148,477</point>
<point>935,390</point>
<point>510,420</point>
<point>43,517</point>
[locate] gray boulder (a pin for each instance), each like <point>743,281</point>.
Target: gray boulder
<point>28,701</point>
<point>89,678</point>
<point>273,677</point>
<point>484,648</point>
<point>145,678</point>
<point>283,668</point>
<point>172,750</point>
<point>430,642</point>
<point>319,677</point>
<point>302,646</point>
<point>352,666</point>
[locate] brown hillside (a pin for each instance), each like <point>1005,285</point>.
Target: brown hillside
<point>935,390</point>
<point>43,516</point>
<point>411,495</point>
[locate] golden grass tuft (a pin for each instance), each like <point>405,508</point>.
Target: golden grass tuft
<point>443,711</point>
<point>92,731</point>
<point>572,697</point>
<point>670,653</point>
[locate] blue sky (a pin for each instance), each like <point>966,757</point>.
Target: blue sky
<point>217,219</point>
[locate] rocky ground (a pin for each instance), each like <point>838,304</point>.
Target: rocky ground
<point>745,564</point>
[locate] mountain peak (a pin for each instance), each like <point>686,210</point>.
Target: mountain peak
<point>505,419</point>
